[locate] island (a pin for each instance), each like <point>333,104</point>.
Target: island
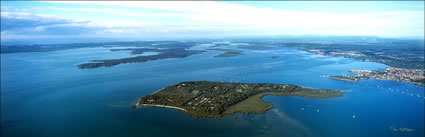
<point>254,47</point>
<point>218,99</point>
<point>227,52</point>
<point>163,54</point>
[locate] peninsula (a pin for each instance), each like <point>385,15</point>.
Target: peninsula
<point>218,99</point>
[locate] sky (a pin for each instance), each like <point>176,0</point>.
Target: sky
<point>216,19</point>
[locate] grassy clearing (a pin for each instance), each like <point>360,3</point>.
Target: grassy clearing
<point>256,105</point>
<point>253,104</point>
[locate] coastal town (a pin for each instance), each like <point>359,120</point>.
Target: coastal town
<point>405,65</point>
<point>413,76</point>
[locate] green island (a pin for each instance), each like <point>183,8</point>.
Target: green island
<point>227,52</point>
<point>218,99</point>
<point>163,54</point>
<point>254,47</point>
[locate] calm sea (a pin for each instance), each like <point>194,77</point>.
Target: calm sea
<point>44,94</point>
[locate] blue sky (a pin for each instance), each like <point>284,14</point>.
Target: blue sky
<point>186,19</point>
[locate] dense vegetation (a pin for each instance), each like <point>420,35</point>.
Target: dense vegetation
<point>227,52</point>
<point>217,99</point>
<point>164,53</point>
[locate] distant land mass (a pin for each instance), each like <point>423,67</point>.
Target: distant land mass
<point>408,54</point>
<point>163,54</point>
<point>19,48</point>
<point>227,52</point>
<point>405,58</point>
<point>218,99</point>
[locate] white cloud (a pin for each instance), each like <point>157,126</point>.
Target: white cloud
<point>116,11</point>
<point>186,6</point>
<point>21,23</point>
<point>37,17</point>
<point>219,17</point>
<point>4,7</point>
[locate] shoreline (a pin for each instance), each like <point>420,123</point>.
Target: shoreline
<point>343,79</point>
<point>163,106</point>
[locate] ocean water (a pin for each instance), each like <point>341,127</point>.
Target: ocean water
<point>44,94</point>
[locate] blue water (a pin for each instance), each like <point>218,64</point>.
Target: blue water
<point>44,94</point>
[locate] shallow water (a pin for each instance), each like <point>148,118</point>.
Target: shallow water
<point>45,94</point>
